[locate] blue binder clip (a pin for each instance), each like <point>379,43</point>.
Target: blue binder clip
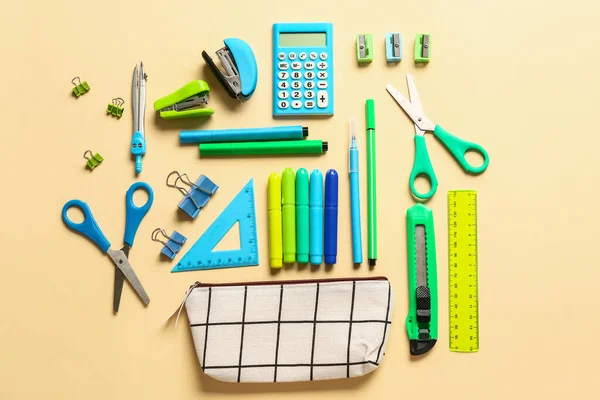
<point>173,243</point>
<point>196,194</point>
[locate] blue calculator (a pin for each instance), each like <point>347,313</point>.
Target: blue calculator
<point>302,69</point>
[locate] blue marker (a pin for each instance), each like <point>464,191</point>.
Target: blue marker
<point>272,133</point>
<point>331,216</point>
<point>316,217</point>
<point>355,196</point>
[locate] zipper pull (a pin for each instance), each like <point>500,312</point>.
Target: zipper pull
<point>178,310</point>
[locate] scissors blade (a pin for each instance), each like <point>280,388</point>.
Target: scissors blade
<point>416,115</point>
<point>135,89</point>
<point>120,260</point>
<point>118,289</point>
<point>415,100</point>
<point>119,280</point>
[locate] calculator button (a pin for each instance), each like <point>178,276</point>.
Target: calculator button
<point>292,56</point>
<point>323,55</point>
<point>296,65</point>
<point>322,65</point>
<point>309,94</point>
<point>283,75</point>
<point>309,84</point>
<point>296,75</point>
<point>313,55</point>
<point>322,99</point>
<point>309,75</point>
<point>322,75</point>
<point>283,65</point>
<point>296,85</point>
<point>309,104</point>
<point>283,104</point>
<point>309,65</point>
<point>283,94</point>
<point>322,84</point>
<point>283,85</point>
<point>302,56</point>
<point>281,55</point>
<point>296,104</point>
<point>296,94</point>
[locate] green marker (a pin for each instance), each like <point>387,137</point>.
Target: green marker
<point>288,201</point>
<point>302,216</point>
<point>371,184</point>
<point>263,148</point>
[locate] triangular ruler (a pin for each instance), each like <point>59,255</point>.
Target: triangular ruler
<point>202,254</point>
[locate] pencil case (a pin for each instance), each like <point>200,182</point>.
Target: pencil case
<point>290,331</point>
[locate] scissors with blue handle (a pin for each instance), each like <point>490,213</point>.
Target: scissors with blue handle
<point>422,164</point>
<point>90,229</point>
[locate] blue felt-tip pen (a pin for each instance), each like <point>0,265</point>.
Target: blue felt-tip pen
<point>355,196</point>
<point>315,223</point>
<point>331,216</point>
<point>272,133</point>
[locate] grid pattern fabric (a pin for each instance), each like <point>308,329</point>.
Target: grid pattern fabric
<point>291,332</point>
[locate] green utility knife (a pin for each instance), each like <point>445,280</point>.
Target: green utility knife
<point>422,319</point>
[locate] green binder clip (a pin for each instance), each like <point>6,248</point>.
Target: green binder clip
<point>364,48</point>
<point>80,88</point>
<point>116,107</point>
<point>187,102</point>
<point>93,160</point>
<point>422,48</point>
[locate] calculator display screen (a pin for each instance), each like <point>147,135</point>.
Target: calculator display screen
<point>300,39</point>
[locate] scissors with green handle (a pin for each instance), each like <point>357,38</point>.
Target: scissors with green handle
<point>422,164</point>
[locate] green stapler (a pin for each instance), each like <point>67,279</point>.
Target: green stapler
<point>187,102</point>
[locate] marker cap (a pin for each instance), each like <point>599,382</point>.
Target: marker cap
<point>301,187</point>
<point>274,189</point>
<point>288,187</point>
<point>370,114</point>
<point>316,188</point>
<point>331,188</point>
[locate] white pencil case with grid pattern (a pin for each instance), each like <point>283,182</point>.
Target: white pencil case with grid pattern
<point>290,331</point>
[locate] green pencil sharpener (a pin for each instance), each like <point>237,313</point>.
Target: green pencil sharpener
<point>364,48</point>
<point>422,48</point>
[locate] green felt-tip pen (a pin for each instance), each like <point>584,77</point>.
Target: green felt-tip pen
<point>371,183</point>
<point>263,148</point>
<point>288,205</point>
<point>302,216</point>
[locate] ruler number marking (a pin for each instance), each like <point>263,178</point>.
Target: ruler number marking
<point>462,236</point>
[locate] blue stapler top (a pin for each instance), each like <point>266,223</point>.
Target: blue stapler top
<point>241,71</point>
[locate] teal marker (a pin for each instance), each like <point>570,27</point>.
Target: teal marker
<point>302,216</point>
<point>288,205</point>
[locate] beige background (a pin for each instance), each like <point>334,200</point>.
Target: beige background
<point>518,77</point>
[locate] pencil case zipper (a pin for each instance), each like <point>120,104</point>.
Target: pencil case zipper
<point>199,284</point>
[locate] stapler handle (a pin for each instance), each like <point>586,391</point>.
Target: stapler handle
<point>215,70</point>
<point>245,62</point>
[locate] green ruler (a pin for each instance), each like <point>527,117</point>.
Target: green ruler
<point>462,271</point>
